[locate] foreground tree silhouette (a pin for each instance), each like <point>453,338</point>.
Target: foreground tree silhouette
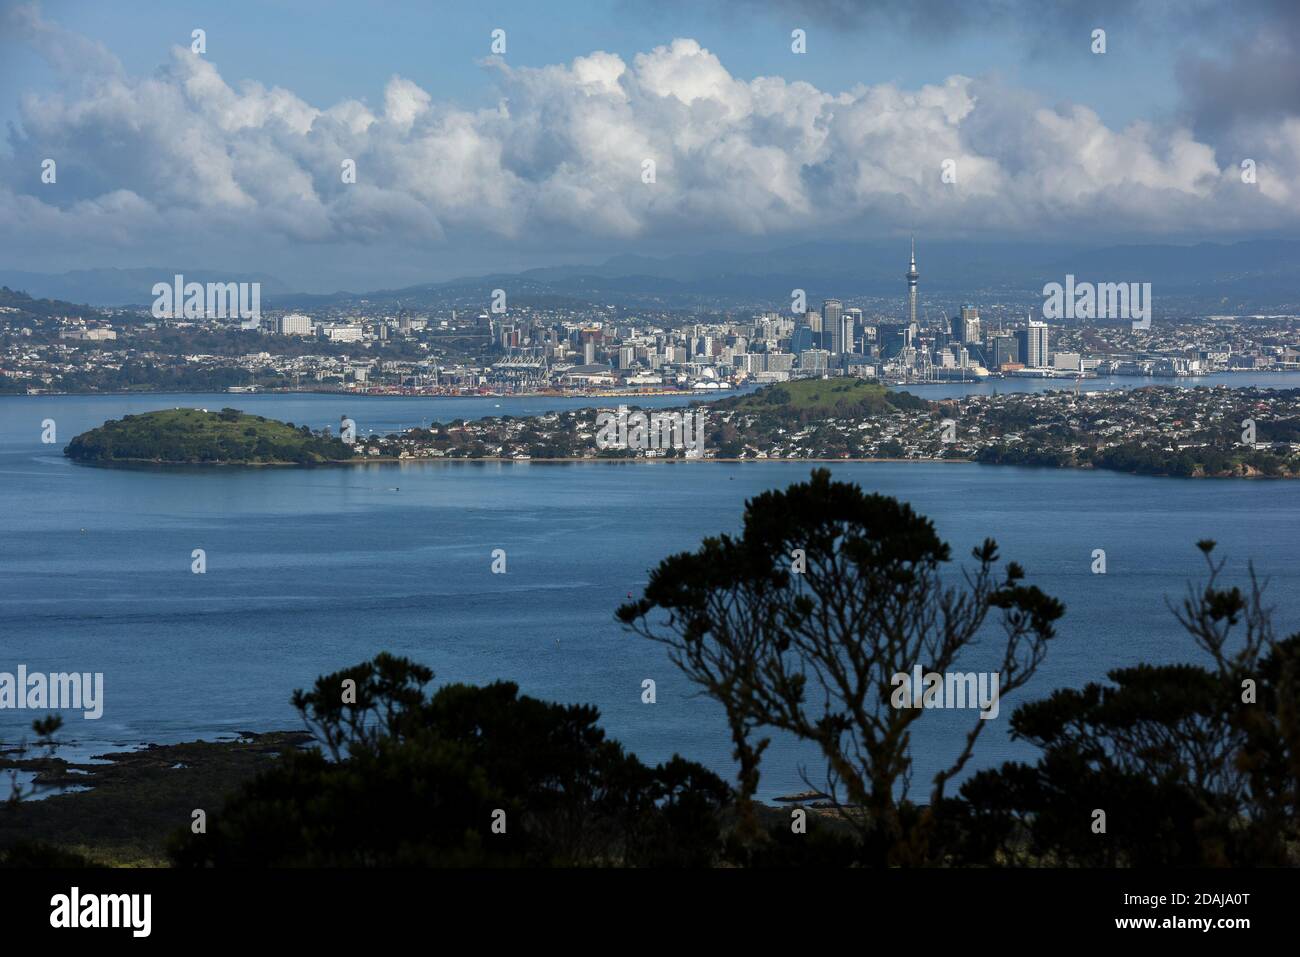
<point>402,778</point>
<point>801,623</point>
<point>1193,765</point>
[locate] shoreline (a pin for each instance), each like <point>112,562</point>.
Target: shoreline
<point>119,808</point>
<point>344,393</point>
<point>447,460</point>
<point>145,465</point>
<point>1066,382</point>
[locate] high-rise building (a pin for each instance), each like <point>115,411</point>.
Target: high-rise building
<point>1033,344</point>
<point>294,324</point>
<point>913,277</point>
<point>848,330</point>
<point>966,327</point>
<point>892,340</point>
<point>1005,350</point>
<point>814,361</point>
<point>852,323</point>
<point>832,314</point>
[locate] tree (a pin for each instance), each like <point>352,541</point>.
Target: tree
<point>404,778</point>
<point>1193,765</point>
<point>801,624</point>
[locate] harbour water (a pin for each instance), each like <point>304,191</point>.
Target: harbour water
<point>312,570</point>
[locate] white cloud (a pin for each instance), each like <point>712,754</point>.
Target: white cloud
<point>564,152</point>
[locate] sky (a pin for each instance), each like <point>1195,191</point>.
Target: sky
<point>954,119</point>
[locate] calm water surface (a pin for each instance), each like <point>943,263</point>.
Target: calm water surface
<point>313,570</point>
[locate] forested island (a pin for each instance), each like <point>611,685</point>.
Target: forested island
<point>200,437</point>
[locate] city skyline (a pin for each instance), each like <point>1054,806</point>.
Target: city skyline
<point>379,348</point>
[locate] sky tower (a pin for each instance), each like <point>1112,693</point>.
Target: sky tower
<point>912,278</point>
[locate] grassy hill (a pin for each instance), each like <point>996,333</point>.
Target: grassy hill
<point>197,437</point>
<point>808,399</point>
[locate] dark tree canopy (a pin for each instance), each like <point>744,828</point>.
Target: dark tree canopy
<point>408,779</point>
<point>802,622</point>
<point>1192,765</point>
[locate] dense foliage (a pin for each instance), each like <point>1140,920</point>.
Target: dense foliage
<point>1139,458</point>
<point>467,776</point>
<point>799,624</point>
<point>1188,765</point>
<point>195,436</point>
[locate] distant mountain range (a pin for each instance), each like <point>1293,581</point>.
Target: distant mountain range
<point>1255,275</point>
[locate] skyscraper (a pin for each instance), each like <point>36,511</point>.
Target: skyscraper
<point>832,313</point>
<point>1033,344</point>
<point>967,328</point>
<point>852,324</point>
<point>801,339</point>
<point>1005,350</point>
<point>913,277</point>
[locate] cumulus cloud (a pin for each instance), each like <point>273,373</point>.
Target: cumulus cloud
<point>564,151</point>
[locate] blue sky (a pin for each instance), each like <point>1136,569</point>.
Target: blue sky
<point>328,50</point>
<point>470,166</point>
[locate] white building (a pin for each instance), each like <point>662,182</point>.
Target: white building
<point>342,332</point>
<point>294,324</point>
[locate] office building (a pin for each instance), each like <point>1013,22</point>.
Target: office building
<point>1005,350</point>
<point>294,324</point>
<point>966,327</point>
<point>832,324</point>
<point>1033,344</point>
<point>815,361</point>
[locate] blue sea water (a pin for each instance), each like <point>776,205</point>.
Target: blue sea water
<point>312,570</point>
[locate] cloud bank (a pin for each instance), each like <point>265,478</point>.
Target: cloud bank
<point>564,153</point>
